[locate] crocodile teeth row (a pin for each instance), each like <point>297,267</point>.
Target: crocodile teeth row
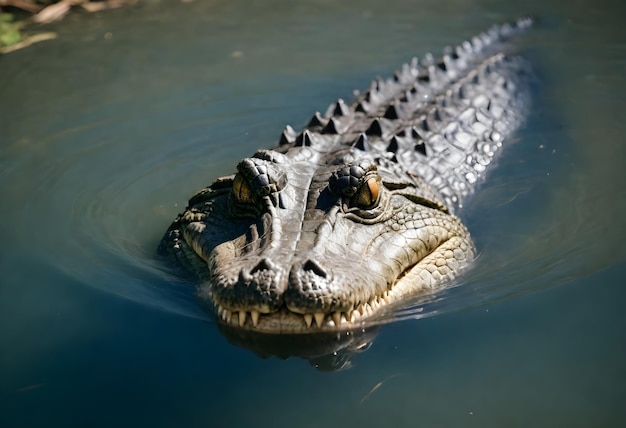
<point>333,319</point>
<point>226,315</point>
<point>353,315</point>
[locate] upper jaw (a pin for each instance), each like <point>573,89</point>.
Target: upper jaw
<point>302,307</point>
<point>259,294</point>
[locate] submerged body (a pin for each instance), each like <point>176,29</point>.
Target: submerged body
<point>355,212</point>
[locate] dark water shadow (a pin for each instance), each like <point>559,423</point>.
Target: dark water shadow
<point>324,351</point>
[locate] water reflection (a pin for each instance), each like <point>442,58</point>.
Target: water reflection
<point>324,351</point>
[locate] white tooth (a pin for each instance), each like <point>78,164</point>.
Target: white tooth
<point>227,315</point>
<point>308,319</point>
<point>242,318</point>
<point>367,309</point>
<point>361,308</point>
<point>344,318</point>
<point>319,318</point>
<point>349,315</point>
<point>219,311</point>
<point>337,318</point>
<point>355,316</point>
<point>255,317</point>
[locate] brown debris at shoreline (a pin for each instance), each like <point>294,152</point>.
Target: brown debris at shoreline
<point>45,12</point>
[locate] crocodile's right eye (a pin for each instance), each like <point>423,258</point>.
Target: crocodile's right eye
<point>359,185</point>
<point>368,193</point>
<point>242,192</point>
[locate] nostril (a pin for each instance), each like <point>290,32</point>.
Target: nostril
<point>263,265</point>
<point>313,267</point>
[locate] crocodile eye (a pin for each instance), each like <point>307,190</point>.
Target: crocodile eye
<point>242,191</point>
<point>359,185</point>
<point>368,194</point>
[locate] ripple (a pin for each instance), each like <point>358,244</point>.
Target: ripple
<point>105,232</point>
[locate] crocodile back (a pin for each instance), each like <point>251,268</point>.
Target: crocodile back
<point>442,120</point>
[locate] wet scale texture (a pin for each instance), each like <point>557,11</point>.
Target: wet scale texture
<point>356,212</point>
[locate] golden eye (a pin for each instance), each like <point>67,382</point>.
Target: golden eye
<point>368,195</point>
<point>242,191</point>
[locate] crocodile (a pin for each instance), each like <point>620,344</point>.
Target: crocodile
<point>356,213</point>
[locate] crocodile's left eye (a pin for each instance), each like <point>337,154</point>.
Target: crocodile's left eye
<point>242,192</point>
<point>368,193</point>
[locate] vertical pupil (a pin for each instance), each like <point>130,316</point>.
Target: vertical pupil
<point>367,197</point>
<point>372,185</point>
<point>241,190</point>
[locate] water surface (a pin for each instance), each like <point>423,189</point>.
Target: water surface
<point>106,131</point>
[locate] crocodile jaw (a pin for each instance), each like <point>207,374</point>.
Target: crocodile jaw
<point>434,271</point>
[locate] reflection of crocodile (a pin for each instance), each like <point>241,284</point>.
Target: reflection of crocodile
<point>326,351</point>
<point>357,210</point>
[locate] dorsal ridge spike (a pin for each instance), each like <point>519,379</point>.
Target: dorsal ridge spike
<point>420,147</point>
<point>362,107</point>
<point>457,53</point>
<point>391,112</point>
<point>361,143</point>
<point>393,145</point>
<point>428,59</point>
<point>373,87</point>
<point>423,77</point>
<point>475,79</point>
<point>331,127</point>
<point>441,64</point>
<point>437,114</point>
<point>304,139</point>
<point>445,101</point>
<point>285,138</point>
<point>414,133</point>
<point>467,48</point>
<point>462,92</point>
<point>340,108</point>
<point>375,128</point>
<point>316,120</point>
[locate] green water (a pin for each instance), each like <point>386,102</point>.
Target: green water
<point>107,130</point>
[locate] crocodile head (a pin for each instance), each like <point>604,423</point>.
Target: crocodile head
<point>291,244</point>
<point>329,229</point>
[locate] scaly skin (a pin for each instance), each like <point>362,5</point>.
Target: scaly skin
<point>355,212</point>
